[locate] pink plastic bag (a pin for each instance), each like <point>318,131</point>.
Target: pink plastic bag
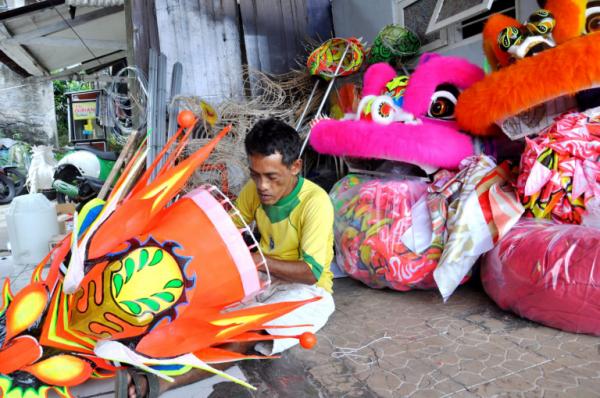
<point>548,273</point>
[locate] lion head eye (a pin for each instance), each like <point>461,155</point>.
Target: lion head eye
<point>443,102</point>
<point>592,17</point>
<point>382,110</point>
<point>541,22</point>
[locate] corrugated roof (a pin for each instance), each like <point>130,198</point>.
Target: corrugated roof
<point>95,3</point>
<point>46,40</point>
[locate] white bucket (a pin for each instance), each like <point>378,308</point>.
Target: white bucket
<point>32,222</point>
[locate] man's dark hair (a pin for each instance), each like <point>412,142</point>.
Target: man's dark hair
<point>270,136</point>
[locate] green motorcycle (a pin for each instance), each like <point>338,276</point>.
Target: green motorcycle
<point>81,173</point>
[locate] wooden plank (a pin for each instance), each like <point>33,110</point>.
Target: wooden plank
<point>22,38</point>
<point>105,60</point>
<point>124,156</point>
<point>30,8</point>
<point>12,65</point>
<point>274,33</point>
<point>151,105</point>
<point>203,35</point>
<point>320,19</point>
<point>129,30</point>
<point>144,33</point>
<point>21,56</point>
<point>54,41</point>
<point>160,133</point>
<point>176,82</point>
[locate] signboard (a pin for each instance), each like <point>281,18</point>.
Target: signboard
<point>84,110</point>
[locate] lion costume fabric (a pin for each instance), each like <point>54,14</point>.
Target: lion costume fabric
<point>544,83</point>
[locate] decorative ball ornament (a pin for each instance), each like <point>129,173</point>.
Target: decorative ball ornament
<point>186,119</point>
<point>325,59</point>
<point>394,43</point>
<point>308,340</point>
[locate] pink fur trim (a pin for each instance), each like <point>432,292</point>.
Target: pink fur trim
<point>376,77</point>
<point>433,71</point>
<point>431,143</point>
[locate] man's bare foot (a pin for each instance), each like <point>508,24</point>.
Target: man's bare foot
<point>190,377</point>
<point>142,386</point>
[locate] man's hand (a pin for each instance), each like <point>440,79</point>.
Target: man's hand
<point>291,271</point>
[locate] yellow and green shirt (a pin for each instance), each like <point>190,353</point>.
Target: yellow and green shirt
<point>299,227</point>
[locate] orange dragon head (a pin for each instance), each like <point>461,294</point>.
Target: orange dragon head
<point>541,68</point>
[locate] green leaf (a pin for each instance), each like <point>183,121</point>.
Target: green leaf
<point>129,268</point>
<point>173,283</point>
<point>133,307</point>
<point>118,282</point>
<point>165,296</point>
<point>152,304</point>
<point>143,258</point>
<point>157,258</point>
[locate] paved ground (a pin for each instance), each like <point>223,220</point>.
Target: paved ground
<point>391,344</point>
<point>413,345</point>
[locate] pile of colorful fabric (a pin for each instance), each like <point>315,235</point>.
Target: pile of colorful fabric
<point>560,172</point>
<point>407,234</point>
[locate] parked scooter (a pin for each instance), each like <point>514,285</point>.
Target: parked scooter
<point>12,183</point>
<point>80,174</point>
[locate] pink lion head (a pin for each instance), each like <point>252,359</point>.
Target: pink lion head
<point>423,131</point>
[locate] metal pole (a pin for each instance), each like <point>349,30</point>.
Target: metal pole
<point>310,98</point>
<point>329,87</point>
<point>151,103</point>
<point>160,114</point>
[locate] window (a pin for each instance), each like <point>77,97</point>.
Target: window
<point>474,25</point>
<point>414,15</point>
<point>448,12</point>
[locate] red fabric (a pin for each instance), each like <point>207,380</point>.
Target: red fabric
<point>547,273</point>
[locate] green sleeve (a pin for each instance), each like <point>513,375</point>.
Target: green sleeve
<point>316,241</point>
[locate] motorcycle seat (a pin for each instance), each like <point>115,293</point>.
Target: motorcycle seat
<point>92,180</point>
<point>101,154</point>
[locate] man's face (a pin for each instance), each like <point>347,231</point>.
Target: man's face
<point>272,177</point>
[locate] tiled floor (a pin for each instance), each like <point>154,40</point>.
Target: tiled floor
<point>391,344</point>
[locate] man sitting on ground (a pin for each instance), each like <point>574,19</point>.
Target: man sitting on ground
<point>294,217</point>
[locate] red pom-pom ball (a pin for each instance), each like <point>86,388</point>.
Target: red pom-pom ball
<point>308,340</point>
<point>186,119</point>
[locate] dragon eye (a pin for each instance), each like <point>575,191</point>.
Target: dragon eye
<point>541,22</point>
<point>443,102</point>
<point>510,36</point>
<point>592,17</point>
<point>382,110</point>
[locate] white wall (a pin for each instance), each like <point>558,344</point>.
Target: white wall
<point>26,110</point>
